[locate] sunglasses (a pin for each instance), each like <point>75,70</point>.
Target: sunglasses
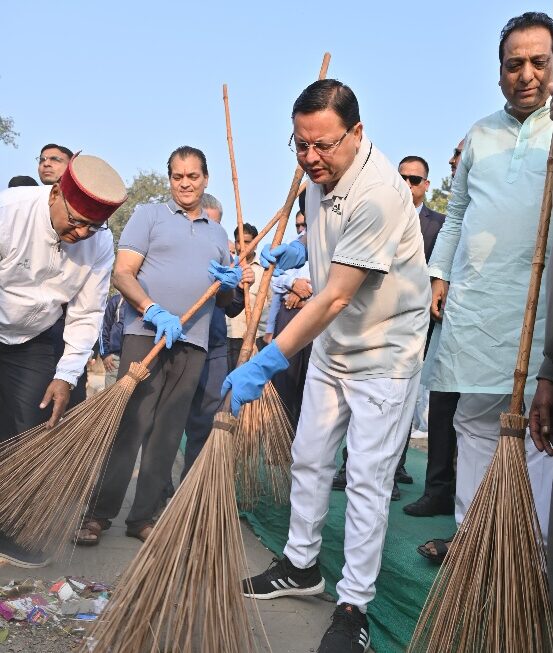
<point>414,180</point>
<point>300,225</point>
<point>457,152</point>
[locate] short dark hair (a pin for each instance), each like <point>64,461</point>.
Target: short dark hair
<point>248,229</point>
<point>61,148</point>
<point>525,21</point>
<point>22,180</point>
<point>185,151</point>
<point>415,159</point>
<point>329,94</point>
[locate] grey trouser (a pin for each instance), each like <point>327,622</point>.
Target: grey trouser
<point>154,419</point>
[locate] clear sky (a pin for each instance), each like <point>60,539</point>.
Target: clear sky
<point>130,81</point>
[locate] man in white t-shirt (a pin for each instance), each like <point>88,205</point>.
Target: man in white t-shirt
<point>368,320</point>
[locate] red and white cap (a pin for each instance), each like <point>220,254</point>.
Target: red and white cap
<point>92,187</point>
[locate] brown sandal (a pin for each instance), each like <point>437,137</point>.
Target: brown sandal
<point>91,526</point>
<point>141,534</point>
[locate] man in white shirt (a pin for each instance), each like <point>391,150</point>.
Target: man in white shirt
<point>367,319</point>
<point>55,249</point>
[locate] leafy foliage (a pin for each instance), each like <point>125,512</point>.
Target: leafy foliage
<point>7,133</point>
<point>146,187</point>
<point>440,196</point>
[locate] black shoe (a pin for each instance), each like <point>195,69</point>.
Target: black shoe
<point>17,556</point>
<point>396,494</point>
<point>349,632</point>
<point>401,476</point>
<point>428,506</point>
<point>339,481</point>
<point>283,579</point>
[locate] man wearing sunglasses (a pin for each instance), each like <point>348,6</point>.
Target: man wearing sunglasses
<point>367,320</point>
<point>52,162</point>
<point>55,249</point>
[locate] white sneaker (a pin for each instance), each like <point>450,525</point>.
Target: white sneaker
<point>419,435</point>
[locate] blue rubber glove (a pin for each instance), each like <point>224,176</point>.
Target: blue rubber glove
<point>166,324</point>
<point>293,255</point>
<point>248,380</point>
<point>229,277</point>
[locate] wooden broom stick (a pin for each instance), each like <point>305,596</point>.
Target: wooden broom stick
<point>249,338</point>
<point>239,219</point>
<point>538,264</point>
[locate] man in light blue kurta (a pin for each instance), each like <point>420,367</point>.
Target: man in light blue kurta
<point>484,251</point>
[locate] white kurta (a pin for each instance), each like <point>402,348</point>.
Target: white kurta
<point>38,274</point>
<point>485,249</point>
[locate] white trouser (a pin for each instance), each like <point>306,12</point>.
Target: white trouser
<point>477,425</point>
<point>377,415</point>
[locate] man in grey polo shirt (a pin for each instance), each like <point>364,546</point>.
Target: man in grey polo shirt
<point>367,319</point>
<point>162,268</point>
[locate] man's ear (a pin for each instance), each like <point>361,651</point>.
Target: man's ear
<point>54,194</point>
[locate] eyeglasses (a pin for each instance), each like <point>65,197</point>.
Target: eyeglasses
<point>55,159</point>
<point>92,228</point>
<point>414,180</point>
<point>301,148</point>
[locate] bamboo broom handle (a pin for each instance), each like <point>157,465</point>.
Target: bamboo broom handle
<point>538,263</point>
<point>213,289</point>
<point>251,332</point>
<point>239,219</point>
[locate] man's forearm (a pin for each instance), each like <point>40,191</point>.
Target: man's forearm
<point>132,291</point>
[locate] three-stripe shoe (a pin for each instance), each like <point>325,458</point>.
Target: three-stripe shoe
<point>283,579</point>
<point>349,632</point>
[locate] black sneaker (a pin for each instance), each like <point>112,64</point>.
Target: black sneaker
<point>349,632</point>
<point>17,556</point>
<point>283,579</point>
<point>396,494</point>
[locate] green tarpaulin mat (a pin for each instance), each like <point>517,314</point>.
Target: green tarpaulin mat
<point>405,576</point>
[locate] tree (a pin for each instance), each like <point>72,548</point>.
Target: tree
<point>146,187</point>
<point>440,196</point>
<point>7,133</point>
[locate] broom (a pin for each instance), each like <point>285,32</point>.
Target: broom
<point>47,475</point>
<point>264,433</point>
<point>491,593</point>
<point>181,593</point>
<point>264,420</point>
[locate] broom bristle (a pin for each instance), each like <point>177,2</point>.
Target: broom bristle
<point>182,592</point>
<point>47,475</point>
<point>263,450</point>
<point>491,594</point>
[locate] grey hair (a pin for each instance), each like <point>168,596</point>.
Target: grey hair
<point>211,202</point>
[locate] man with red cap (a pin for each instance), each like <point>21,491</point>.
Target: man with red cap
<point>55,248</point>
